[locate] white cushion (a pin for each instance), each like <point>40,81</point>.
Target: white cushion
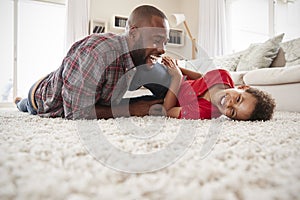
<point>238,77</point>
<point>273,76</point>
<point>202,65</point>
<point>260,55</point>
<point>286,96</point>
<point>292,52</point>
<point>228,62</point>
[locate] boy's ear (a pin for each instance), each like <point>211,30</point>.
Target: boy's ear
<point>243,87</point>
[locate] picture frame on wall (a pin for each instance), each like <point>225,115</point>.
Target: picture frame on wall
<point>118,23</point>
<point>98,26</point>
<point>176,37</point>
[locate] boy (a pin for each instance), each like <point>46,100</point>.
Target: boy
<point>211,95</point>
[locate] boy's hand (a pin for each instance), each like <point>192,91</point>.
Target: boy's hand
<point>172,66</point>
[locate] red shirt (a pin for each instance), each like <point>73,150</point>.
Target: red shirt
<point>195,107</point>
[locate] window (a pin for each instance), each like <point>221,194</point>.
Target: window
<point>257,20</point>
<point>53,1</point>
<point>286,19</point>
<point>40,44</point>
<point>41,36</point>
<point>247,22</point>
<point>6,49</point>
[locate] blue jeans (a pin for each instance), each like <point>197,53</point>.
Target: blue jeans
<point>25,104</point>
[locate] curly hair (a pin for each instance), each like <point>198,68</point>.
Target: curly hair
<point>264,107</point>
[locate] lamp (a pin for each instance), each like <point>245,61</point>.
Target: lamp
<point>177,19</point>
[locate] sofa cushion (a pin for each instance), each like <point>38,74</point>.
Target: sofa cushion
<point>238,77</point>
<point>292,51</point>
<point>260,55</point>
<point>273,76</point>
<point>279,61</point>
<point>228,62</point>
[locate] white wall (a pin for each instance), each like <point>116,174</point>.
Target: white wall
<point>190,9</point>
<point>104,10</point>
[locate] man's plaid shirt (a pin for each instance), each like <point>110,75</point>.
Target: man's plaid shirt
<point>88,75</point>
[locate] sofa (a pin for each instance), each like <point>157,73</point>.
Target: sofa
<point>273,66</point>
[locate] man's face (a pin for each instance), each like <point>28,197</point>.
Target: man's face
<point>150,41</point>
<point>236,103</point>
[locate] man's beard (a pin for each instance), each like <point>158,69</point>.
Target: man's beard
<point>138,54</point>
<point>138,57</point>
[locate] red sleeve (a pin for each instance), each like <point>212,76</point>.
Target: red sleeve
<point>218,76</point>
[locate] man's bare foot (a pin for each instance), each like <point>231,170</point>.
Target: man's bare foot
<point>17,100</point>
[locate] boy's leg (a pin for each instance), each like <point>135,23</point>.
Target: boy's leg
<point>158,90</point>
<point>157,80</point>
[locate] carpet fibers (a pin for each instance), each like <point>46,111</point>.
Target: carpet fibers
<point>148,158</point>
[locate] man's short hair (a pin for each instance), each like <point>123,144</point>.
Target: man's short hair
<point>144,12</point>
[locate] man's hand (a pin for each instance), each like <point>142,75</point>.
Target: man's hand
<point>157,110</point>
<point>142,108</point>
<point>138,108</point>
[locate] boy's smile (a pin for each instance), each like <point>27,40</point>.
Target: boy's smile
<point>235,103</point>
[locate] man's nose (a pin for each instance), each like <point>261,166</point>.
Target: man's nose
<point>161,50</point>
<point>161,46</point>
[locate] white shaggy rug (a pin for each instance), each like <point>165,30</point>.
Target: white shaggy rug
<point>148,158</point>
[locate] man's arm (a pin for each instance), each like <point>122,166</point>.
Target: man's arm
<point>139,108</point>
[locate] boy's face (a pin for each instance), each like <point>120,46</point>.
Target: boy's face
<point>236,103</point>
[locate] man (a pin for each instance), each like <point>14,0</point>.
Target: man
<point>99,69</point>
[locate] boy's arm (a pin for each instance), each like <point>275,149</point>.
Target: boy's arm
<point>170,100</point>
<point>171,96</point>
<point>174,112</point>
<point>192,75</point>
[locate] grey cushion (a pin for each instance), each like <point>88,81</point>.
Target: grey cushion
<point>260,55</point>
